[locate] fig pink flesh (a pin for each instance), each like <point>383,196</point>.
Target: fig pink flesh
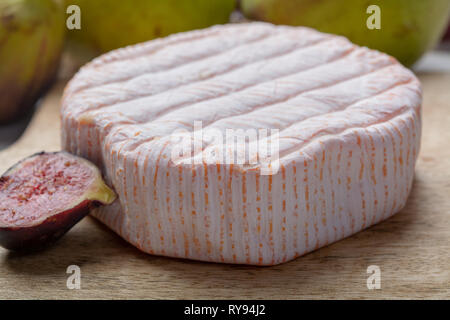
<point>40,187</point>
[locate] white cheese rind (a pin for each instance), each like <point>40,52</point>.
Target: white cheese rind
<point>349,136</point>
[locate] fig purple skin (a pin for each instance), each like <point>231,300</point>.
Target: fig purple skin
<point>45,195</point>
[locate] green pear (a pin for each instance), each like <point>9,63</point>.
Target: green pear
<point>31,40</point>
<point>408,28</point>
<point>110,24</point>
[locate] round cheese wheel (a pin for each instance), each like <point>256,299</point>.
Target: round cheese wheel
<point>246,143</point>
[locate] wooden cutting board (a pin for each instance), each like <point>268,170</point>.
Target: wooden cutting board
<point>412,249</point>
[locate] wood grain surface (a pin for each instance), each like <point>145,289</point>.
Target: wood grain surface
<point>412,248</point>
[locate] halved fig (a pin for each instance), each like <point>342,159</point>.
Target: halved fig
<point>46,194</point>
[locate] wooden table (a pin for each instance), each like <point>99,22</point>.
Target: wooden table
<point>412,248</point>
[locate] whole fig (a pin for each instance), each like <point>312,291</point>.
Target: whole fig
<point>31,40</point>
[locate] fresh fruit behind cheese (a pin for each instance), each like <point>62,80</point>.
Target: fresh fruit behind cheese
<point>110,24</point>
<point>31,39</point>
<point>408,27</point>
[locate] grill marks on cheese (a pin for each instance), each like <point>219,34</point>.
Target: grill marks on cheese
<point>349,121</point>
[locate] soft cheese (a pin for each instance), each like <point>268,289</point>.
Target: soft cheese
<point>348,121</point>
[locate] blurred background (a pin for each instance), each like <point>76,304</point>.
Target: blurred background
<point>40,42</point>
